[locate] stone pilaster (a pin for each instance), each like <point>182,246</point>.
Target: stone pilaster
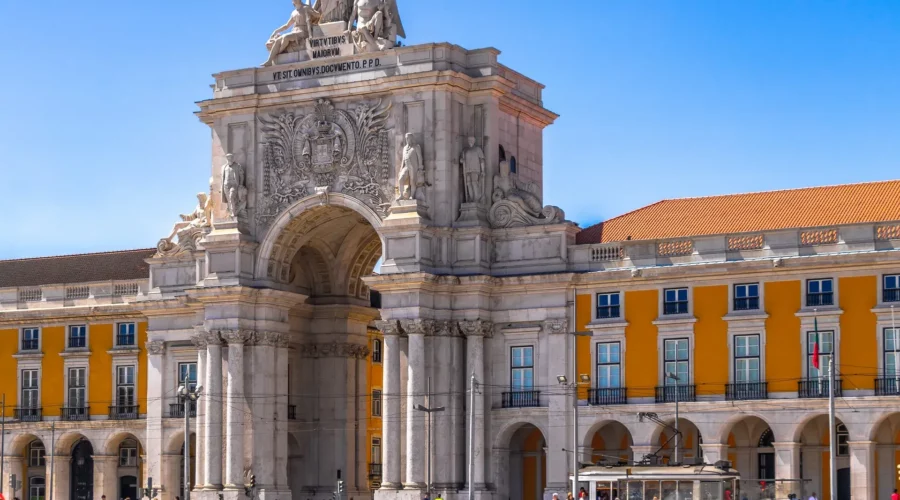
<point>156,350</point>
<point>862,469</point>
<point>61,476</point>
<point>475,332</point>
<point>212,433</point>
<point>234,409</point>
<point>282,401</point>
<point>443,387</point>
<point>199,342</point>
<point>416,445</point>
<point>105,477</point>
<point>390,408</point>
<point>787,466</point>
<point>263,382</point>
<point>13,467</point>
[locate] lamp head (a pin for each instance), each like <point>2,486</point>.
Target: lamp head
<point>585,378</point>
<point>562,379</point>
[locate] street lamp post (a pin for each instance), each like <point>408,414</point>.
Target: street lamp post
<point>564,381</point>
<point>188,396</point>
<point>673,376</point>
<point>429,411</point>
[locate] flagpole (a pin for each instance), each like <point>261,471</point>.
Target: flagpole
<point>832,441</point>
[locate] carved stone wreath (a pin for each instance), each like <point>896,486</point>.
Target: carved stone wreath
<point>347,151</point>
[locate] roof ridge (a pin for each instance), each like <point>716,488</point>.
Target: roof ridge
<point>88,254</point>
<point>626,214</point>
<point>808,188</point>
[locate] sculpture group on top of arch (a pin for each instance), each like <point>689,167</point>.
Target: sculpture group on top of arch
<point>344,151</point>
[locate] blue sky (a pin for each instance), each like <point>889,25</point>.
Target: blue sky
<point>658,99</point>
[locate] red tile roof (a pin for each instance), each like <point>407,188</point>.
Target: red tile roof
<point>84,268</point>
<point>750,212</point>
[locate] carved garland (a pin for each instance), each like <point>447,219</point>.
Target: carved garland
<point>334,350</point>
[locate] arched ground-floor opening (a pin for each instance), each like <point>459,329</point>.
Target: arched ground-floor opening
<point>610,444</point>
<point>81,486</point>
<point>527,463</point>
<point>28,462</point>
<point>688,443</point>
<point>751,451</point>
<point>129,464</point>
<point>886,439</point>
<point>815,438</point>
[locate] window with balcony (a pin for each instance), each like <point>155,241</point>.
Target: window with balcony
<point>608,365</point>
<point>675,301</point>
<point>746,358</point>
<point>77,337</point>
<point>677,360</point>
<point>376,450</point>
<point>187,375</point>
<point>891,289</point>
<point>126,407</point>
<point>521,377</point>
<point>820,292</point>
<point>888,384</point>
<point>376,402</point>
<point>746,297</point>
<point>376,351</point>
<point>30,389</point>
<point>77,387</point>
<point>31,339</point>
<point>608,305</point>
<point>826,349</point>
<point>125,335</point>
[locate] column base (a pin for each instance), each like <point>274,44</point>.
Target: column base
<point>273,494</point>
<point>391,486</point>
<point>234,493</point>
<point>413,486</point>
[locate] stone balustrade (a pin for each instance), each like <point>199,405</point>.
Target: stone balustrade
<point>73,295</point>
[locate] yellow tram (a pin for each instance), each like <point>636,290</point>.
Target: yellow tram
<point>641,482</point>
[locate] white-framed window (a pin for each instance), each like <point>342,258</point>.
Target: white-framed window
<point>820,292</point>
<point>31,339</point>
<point>77,388</point>
<point>843,438</point>
<point>891,351</point>
<point>522,368</point>
<point>609,368</point>
<point>30,389</point>
<point>37,488</point>
<point>77,336</point>
<point>675,301</point>
<point>609,305</point>
<point>376,450</point>
<point>376,402</point>
<point>125,386</point>
<point>677,360</point>
<point>36,454</point>
<point>746,359</point>
<point>891,288</point>
<point>826,350</point>
<point>746,297</point>
<point>128,454</point>
<point>126,335</point>
<point>376,351</point>
<point>187,375</point>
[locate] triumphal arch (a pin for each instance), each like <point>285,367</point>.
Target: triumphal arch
<point>344,149</point>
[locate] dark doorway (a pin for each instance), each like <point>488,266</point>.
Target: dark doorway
<point>82,485</point>
<point>128,487</point>
<point>843,486</point>
<point>766,466</point>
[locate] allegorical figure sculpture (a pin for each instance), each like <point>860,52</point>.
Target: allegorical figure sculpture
<point>300,26</point>
<point>377,25</point>
<point>333,10</point>
<point>472,161</point>
<point>190,229</point>
<point>234,191</point>
<point>507,186</point>
<point>412,170</point>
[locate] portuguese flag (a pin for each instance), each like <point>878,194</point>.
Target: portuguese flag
<point>816,345</point>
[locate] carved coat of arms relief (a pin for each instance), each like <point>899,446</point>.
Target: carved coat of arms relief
<point>347,151</point>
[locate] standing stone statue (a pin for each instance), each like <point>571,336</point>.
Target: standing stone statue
<point>412,170</point>
<point>300,25</point>
<point>234,192</point>
<point>377,25</point>
<point>472,161</point>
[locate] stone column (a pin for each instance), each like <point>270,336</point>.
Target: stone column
<point>199,342</point>
<point>787,466</point>
<point>262,381</point>
<point>442,387</point>
<point>416,444</point>
<point>475,332</point>
<point>234,409</point>
<point>282,400</point>
<point>862,469</point>
<point>170,466</point>
<point>390,408</point>
<point>712,453</point>
<point>457,407</point>
<point>61,474</point>
<point>13,466</point>
<point>212,399</point>
<point>559,402</point>
<point>156,350</point>
<point>105,477</point>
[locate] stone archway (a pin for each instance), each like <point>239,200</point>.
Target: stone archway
<point>815,437</point>
<point>689,445</point>
<point>527,463</point>
<point>322,248</point>
<point>751,450</point>
<point>609,443</point>
<point>886,440</point>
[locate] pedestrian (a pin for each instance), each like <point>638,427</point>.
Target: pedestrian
<point>438,497</point>
<point>570,496</point>
<point>555,496</point>
<point>894,495</point>
<point>582,494</point>
<point>813,496</point>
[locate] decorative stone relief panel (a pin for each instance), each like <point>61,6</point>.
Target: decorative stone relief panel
<point>338,149</point>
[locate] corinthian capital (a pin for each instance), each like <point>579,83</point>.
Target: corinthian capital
<point>237,336</point>
<point>556,326</point>
<point>388,327</point>
<point>446,329</point>
<point>476,328</point>
<point>156,347</point>
<point>200,339</point>
<point>417,326</point>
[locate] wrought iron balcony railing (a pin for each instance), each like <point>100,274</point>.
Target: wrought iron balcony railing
<point>521,399</point>
<point>746,390</point>
<point>819,299</point>
<point>683,393</point>
<point>817,388</point>
<point>675,307</point>
<point>746,304</point>
<point>124,412</point>
<point>28,414</point>
<point>176,410</point>
<point>887,386</point>
<point>75,413</point>
<point>607,396</point>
